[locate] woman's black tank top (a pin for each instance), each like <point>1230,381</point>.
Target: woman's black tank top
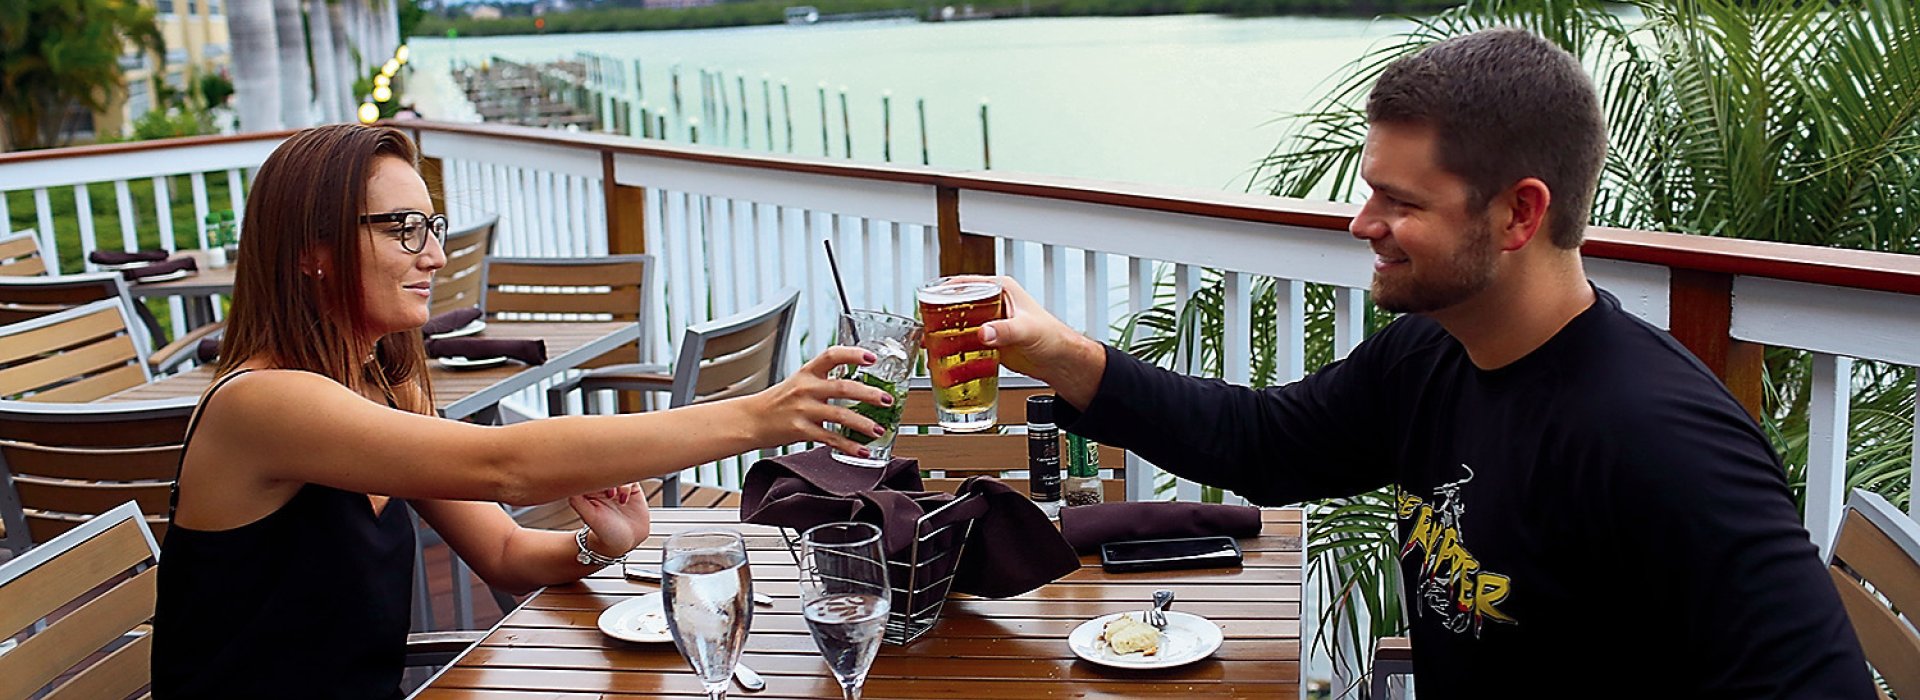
<point>310,601</point>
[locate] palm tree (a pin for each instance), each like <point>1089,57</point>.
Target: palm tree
<point>326,70</point>
<point>60,55</point>
<point>296,77</point>
<point>1766,119</point>
<point>256,63</point>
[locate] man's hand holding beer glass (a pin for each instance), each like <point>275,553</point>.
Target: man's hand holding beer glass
<point>1034,343</point>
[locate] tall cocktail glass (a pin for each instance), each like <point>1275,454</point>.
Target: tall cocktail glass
<point>893,339</point>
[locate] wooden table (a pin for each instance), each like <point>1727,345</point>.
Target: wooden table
<point>1012,648</point>
<point>196,290</point>
<point>462,394</point>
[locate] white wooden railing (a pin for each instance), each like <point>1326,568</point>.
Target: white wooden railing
<point>730,227</point>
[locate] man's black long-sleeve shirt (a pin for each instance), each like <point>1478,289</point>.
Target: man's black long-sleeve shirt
<point>1597,519</point>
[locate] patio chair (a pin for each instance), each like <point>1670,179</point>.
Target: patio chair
<point>719,359</point>
<point>460,283</point>
<point>1875,564</point>
<point>63,464</point>
<point>25,298</point>
<point>85,600</point>
<point>20,255</point>
<point>103,573</point>
<point>947,459</point>
<point>80,354</point>
<point>599,289</point>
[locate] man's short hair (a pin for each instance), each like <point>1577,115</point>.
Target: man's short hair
<point>1504,105</point>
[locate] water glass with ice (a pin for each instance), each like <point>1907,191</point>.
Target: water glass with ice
<point>894,339</point>
<point>708,592</point>
<point>844,597</point>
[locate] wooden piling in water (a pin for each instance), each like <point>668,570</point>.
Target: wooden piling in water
<point>846,122</point>
<point>886,125</point>
<point>986,147</point>
<point>921,104</point>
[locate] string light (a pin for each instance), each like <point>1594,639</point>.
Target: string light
<point>369,113</point>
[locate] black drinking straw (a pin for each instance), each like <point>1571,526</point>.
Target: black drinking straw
<point>840,286</point>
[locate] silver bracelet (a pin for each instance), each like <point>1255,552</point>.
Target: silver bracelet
<point>588,557</point>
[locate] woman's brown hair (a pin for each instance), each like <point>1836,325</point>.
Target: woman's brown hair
<point>304,211</point>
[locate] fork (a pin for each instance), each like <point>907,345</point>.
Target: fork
<point>1157,615</point>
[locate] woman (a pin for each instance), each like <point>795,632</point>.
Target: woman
<point>289,561</point>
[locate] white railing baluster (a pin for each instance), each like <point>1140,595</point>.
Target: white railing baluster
<point>1099,297</point>
<point>1142,476</point>
<point>43,210</point>
<point>719,242</point>
<point>1054,276</point>
<point>1290,322</point>
<point>163,210</point>
<point>1913,504</point>
<point>1237,339</point>
<point>236,195</point>
<point>1349,319</point>
<point>1186,281</point>
<point>6,216</point>
<point>1827,446</point>
<point>745,253</point>
<point>904,280</point>
<point>198,182</point>
<point>679,258</point>
<point>83,210</point>
<point>869,267</point>
<point>930,250</point>
<point>762,245</point>
<point>548,214</point>
<point>1019,264</point>
<point>597,214</point>
<point>524,219</point>
<point>123,200</point>
<point>814,287</point>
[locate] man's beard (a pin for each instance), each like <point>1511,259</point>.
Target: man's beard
<point>1464,274</point>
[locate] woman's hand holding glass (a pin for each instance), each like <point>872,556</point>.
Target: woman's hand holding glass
<point>797,409</point>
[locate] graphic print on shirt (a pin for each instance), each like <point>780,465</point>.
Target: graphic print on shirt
<point>1451,582</point>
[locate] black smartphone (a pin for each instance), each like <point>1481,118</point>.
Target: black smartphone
<point>1161,555</point>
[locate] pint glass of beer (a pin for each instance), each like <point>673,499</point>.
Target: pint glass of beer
<point>966,373</point>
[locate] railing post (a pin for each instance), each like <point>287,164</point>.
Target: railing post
<point>434,172</point>
<point>961,253</point>
<point>1701,318</point>
<point>626,212</point>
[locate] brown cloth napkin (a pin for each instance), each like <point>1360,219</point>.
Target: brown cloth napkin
<point>532,352</point>
<point>1088,527</point>
<point>207,351</point>
<point>1013,547</point>
<point>136,274</point>
<point>115,257</point>
<point>450,321</point>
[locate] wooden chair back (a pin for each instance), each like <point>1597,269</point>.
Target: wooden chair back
<point>606,288</point>
<point>24,298</point>
<point>736,355</point>
<point>93,588</point>
<point>80,354</point>
<point>460,284</point>
<point>63,464</point>
<point>1875,564</point>
<point>946,459</point>
<point>20,255</point>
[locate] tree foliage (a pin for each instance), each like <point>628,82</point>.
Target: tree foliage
<point>58,55</point>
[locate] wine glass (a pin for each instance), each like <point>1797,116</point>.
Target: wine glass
<point>844,597</point>
<point>708,594</point>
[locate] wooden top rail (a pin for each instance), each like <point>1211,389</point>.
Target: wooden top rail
<point>1846,268</point>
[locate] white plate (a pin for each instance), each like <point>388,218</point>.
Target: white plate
<point>475,327</point>
<point>642,619</point>
<point>130,265</point>
<point>1187,638</point>
<point>174,275</point>
<point>471,363</point>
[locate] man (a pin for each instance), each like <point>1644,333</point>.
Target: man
<point>1584,509</point>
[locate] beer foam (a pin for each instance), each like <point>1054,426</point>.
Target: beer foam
<point>957,292</point>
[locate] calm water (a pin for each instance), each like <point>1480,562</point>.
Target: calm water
<point>1188,100</point>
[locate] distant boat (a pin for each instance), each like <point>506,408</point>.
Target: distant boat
<point>803,14</point>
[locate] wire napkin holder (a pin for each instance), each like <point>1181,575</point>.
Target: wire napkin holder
<point>920,582</point>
